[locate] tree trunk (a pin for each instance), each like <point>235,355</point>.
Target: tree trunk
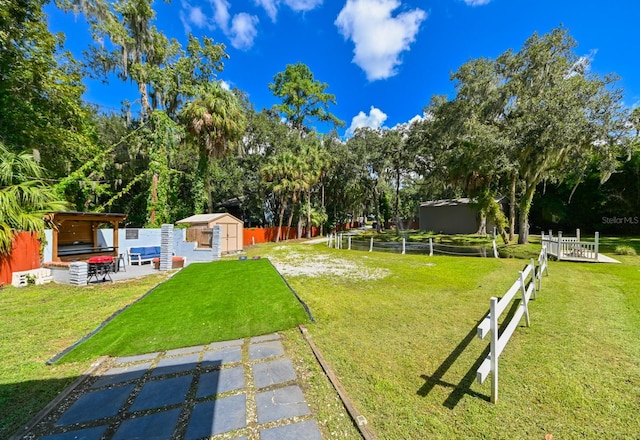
<point>397,204</point>
<point>512,208</point>
<point>309,214</point>
<point>376,203</point>
<point>294,199</point>
<point>524,208</point>
<point>323,210</point>
<point>482,228</point>
<point>282,208</point>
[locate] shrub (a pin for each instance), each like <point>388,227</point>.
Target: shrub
<point>625,250</point>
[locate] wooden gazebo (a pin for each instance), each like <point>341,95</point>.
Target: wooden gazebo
<point>75,235</point>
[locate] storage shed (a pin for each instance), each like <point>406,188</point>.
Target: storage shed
<point>201,226</point>
<point>450,216</point>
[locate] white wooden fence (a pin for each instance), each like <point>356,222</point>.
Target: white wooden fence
<point>526,285</point>
<point>571,248</point>
<point>337,241</point>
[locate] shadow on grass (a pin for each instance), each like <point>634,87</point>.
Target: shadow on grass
<point>21,401</point>
<point>463,387</point>
<point>151,396</point>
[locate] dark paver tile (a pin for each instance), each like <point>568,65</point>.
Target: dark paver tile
<point>282,403</point>
<point>121,374</point>
<point>225,344</point>
<point>176,364</point>
<point>304,430</point>
<point>214,358</point>
<point>81,434</point>
<point>96,405</point>
<point>155,426</point>
<point>217,416</point>
<point>263,338</point>
<point>138,358</point>
<point>186,350</point>
<point>163,392</point>
<point>220,381</point>
<point>266,349</point>
<point>273,372</point>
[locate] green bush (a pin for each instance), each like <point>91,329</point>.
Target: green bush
<point>625,250</point>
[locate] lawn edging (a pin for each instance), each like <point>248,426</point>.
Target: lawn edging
<point>302,303</point>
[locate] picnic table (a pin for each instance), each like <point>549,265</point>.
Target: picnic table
<point>99,267</point>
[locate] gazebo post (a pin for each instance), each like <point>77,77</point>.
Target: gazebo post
<point>115,238</point>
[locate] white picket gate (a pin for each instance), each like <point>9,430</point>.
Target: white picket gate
<point>528,282</point>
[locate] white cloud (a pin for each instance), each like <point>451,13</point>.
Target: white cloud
<point>271,6</point>
<point>477,2</point>
<point>374,119</point>
<point>378,36</point>
<point>193,15</point>
<point>243,30</point>
<point>221,14</point>
<point>225,84</point>
<point>197,17</point>
<point>302,5</point>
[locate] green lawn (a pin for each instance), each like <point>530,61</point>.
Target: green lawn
<point>205,302</point>
<point>399,331</point>
<point>39,321</point>
<point>404,345</point>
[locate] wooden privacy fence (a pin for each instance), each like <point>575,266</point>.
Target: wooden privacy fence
<point>24,256</point>
<point>571,248</point>
<point>525,286</point>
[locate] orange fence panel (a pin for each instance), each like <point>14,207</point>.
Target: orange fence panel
<point>25,255</point>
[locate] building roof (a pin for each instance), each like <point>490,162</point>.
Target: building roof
<point>448,202</point>
<point>456,202</point>
<point>206,218</point>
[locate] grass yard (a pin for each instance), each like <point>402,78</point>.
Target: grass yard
<point>203,303</point>
<point>400,332</point>
<point>39,321</point>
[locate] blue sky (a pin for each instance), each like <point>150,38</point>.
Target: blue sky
<point>382,59</point>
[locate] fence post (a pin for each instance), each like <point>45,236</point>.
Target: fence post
<point>404,243</point>
<point>597,246</point>
<point>371,245</point>
<point>430,247</point>
<point>577,234</point>
<point>253,240</point>
<point>493,319</point>
<point>349,242</point>
<point>559,245</point>
<point>495,249</point>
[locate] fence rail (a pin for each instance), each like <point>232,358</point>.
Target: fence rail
<point>571,248</point>
<point>526,286</point>
<point>337,241</point>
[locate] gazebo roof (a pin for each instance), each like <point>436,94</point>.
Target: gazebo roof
<point>107,217</point>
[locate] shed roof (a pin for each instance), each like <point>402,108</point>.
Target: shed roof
<point>456,202</point>
<point>447,202</point>
<point>206,218</point>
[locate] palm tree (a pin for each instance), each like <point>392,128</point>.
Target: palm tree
<point>215,120</point>
<point>24,197</point>
<point>282,172</point>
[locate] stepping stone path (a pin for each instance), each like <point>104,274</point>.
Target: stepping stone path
<point>243,389</point>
